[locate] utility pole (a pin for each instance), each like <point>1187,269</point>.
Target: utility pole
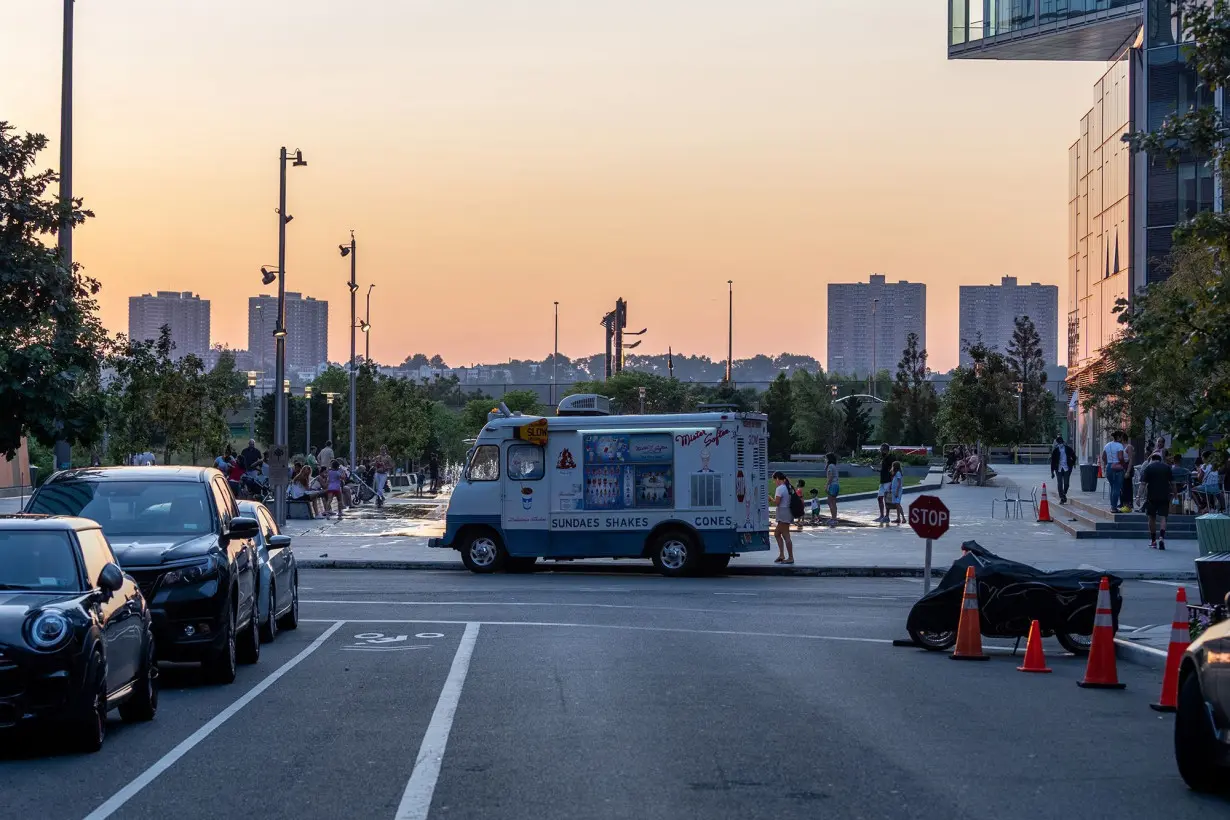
<point>353,252</point>
<point>367,330</point>
<point>730,335</point>
<point>62,452</point>
<point>307,444</point>
<point>871,380</point>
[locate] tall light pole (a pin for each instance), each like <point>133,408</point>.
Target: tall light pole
<point>329,424</point>
<point>279,478</point>
<point>367,326</point>
<point>352,250</point>
<point>307,442</point>
<point>871,380</point>
<point>62,453</point>
<point>555,361</point>
<point>730,334</point>
<point>252,403</point>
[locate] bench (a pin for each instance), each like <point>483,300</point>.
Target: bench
<point>299,509</point>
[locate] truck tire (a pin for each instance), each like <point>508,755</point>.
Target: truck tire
<point>482,552</point>
<point>675,553</point>
<point>715,564</point>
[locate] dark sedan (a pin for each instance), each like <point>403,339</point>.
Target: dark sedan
<point>75,632</point>
<point>1202,725</point>
<point>178,532</point>
<point>279,574</point>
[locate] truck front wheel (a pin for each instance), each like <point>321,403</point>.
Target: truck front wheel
<point>675,553</point>
<point>482,552</point>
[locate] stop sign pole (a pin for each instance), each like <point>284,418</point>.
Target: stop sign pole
<point>929,518</point>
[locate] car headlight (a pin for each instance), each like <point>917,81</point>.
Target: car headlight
<point>192,573</point>
<point>49,630</point>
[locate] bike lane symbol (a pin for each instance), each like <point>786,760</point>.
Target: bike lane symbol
<point>379,642</point>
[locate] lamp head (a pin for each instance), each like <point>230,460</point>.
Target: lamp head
<point>345,249</point>
<point>307,391</point>
<point>353,287</point>
<point>279,333</point>
<point>299,160</point>
<point>365,326</point>
<point>267,277</point>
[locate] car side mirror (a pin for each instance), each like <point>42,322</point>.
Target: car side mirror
<point>243,527</point>
<point>278,542</point>
<point>111,578</point>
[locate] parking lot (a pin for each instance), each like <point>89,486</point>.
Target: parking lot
<point>443,694</point>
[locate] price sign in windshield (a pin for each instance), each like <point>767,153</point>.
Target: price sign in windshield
<point>929,516</point>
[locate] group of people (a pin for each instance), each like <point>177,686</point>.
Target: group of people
<point>962,463</point>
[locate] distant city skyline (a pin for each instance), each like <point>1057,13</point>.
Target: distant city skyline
<point>988,313</point>
<point>868,323</point>
<point>184,312</point>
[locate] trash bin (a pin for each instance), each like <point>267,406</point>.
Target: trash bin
<point>1089,478</point>
<point>1213,574</point>
<point>1213,533</point>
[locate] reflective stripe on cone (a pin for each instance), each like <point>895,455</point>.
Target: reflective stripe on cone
<point>1180,639</point>
<point>1100,673</point>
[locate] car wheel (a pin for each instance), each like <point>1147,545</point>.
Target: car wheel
<point>1195,745</point>
<point>143,704</point>
<point>291,619</point>
<point>249,641</point>
<point>269,629</point>
<point>89,729</point>
<point>675,553</point>
<point>714,564</point>
<point>934,641</point>
<point>482,552</point>
<point>221,667</point>
<point>1076,644</point>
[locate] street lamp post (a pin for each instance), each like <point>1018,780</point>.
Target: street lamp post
<point>62,452</point>
<point>730,333</point>
<point>307,439</point>
<point>329,423</point>
<point>555,361</point>
<point>367,326</point>
<point>279,478</point>
<point>252,403</point>
<point>871,381</point>
<point>352,251</point>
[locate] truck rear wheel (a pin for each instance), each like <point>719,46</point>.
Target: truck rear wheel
<point>675,553</point>
<point>714,564</point>
<point>482,552</point>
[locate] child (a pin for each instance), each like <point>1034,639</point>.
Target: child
<point>896,488</point>
<point>815,508</point>
<point>334,488</point>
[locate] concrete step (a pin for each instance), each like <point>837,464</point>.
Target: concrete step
<point>1079,521</point>
<point>1089,507</point>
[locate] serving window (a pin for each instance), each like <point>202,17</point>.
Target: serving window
<point>629,471</point>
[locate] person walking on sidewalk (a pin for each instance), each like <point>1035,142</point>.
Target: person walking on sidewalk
<point>381,468</point>
<point>832,486</point>
<point>783,499</point>
<point>1127,498</point>
<point>883,498</point>
<point>799,491</point>
<point>1156,478</point>
<point>336,478</point>
<point>326,455</point>
<point>1114,462</point>
<point>1063,459</point>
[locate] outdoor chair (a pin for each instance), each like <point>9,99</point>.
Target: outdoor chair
<point>1011,499</point>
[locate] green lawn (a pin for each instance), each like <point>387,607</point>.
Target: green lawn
<point>866,484</point>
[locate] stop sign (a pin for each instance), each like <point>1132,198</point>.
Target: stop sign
<point>928,516</point>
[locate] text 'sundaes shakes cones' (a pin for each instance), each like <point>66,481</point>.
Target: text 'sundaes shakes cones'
<point>1101,673</point>
<point>969,629</point>
<point>1180,638</point>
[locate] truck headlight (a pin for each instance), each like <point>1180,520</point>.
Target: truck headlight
<point>49,630</point>
<point>193,573</point>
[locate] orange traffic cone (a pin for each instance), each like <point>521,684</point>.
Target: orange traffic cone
<point>1044,507</point>
<point>969,628</point>
<point>1035,661</point>
<point>1180,637</point>
<point>1100,672</point>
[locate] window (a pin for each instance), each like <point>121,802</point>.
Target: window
<point>707,489</point>
<point>97,554</point>
<point>41,561</point>
<point>130,508</point>
<point>267,525</point>
<point>484,464</point>
<point>629,470</point>
<point>224,500</point>
<point>526,462</point>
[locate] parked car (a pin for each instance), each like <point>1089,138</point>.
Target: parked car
<point>178,532</point>
<point>1202,725</point>
<point>278,594</point>
<point>76,636</point>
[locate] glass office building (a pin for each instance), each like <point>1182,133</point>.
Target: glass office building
<point>1041,29</point>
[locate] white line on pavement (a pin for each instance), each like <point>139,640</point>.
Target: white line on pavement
<point>117,800</point>
<point>842,638</point>
<point>366,546</point>
<point>508,603</point>
<point>742,594</point>
<point>416,799</point>
<point>881,597</point>
<point>1166,583</point>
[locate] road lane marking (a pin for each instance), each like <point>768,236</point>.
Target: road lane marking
<point>841,638</point>
<point>1166,583</point>
<point>881,597</point>
<point>416,799</point>
<point>117,800</point>
<point>747,594</point>
<point>510,603</point>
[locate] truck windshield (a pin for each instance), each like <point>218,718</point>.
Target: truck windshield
<point>131,508</point>
<point>40,561</point>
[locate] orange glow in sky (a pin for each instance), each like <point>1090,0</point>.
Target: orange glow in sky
<point>494,156</point>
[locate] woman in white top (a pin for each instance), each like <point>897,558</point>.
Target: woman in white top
<point>781,530</point>
<point>832,486</point>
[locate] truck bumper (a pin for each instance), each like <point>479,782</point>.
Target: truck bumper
<point>437,543</point>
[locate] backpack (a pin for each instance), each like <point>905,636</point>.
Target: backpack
<point>796,505</point>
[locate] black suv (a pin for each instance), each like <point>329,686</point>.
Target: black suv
<point>75,636</point>
<point>178,532</point>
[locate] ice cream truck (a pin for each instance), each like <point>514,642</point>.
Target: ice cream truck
<point>688,491</point>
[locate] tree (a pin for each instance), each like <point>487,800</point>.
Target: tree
<point>909,415</point>
<point>979,405</point>
<point>817,423</point>
<point>1028,368</point>
<point>51,341</point>
<point>474,415</point>
<point>662,395</point>
<point>778,406</point>
<point>856,424</point>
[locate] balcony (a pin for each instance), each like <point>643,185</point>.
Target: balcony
<point>1042,29</point>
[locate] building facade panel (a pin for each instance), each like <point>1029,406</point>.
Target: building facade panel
<point>185,313</point>
<point>899,308</point>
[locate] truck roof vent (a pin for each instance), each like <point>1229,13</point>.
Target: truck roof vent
<point>584,404</point>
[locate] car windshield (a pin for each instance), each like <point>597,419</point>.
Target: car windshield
<point>35,560</point>
<point>131,508</point>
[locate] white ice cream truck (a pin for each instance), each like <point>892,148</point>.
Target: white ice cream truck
<point>688,491</point>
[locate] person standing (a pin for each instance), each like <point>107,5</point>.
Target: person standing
<point>781,530</point>
<point>1156,479</point>
<point>1127,498</point>
<point>433,470</point>
<point>883,498</point>
<point>799,492</point>
<point>1063,459</point>
<point>326,455</point>
<point>832,486</point>
<point>896,491</point>
<point>334,488</point>
<point>381,468</point>
<point>311,460</point>
<point>1114,460</point>
<point>250,456</point>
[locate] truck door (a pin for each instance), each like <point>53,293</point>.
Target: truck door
<point>526,500</point>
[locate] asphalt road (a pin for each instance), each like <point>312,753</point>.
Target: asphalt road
<point>592,696</point>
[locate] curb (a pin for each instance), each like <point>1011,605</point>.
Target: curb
<point>1139,654</point>
<point>768,570</point>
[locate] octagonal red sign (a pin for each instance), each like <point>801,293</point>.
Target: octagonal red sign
<point>929,516</point>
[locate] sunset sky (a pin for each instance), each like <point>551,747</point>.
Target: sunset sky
<point>494,156</point>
